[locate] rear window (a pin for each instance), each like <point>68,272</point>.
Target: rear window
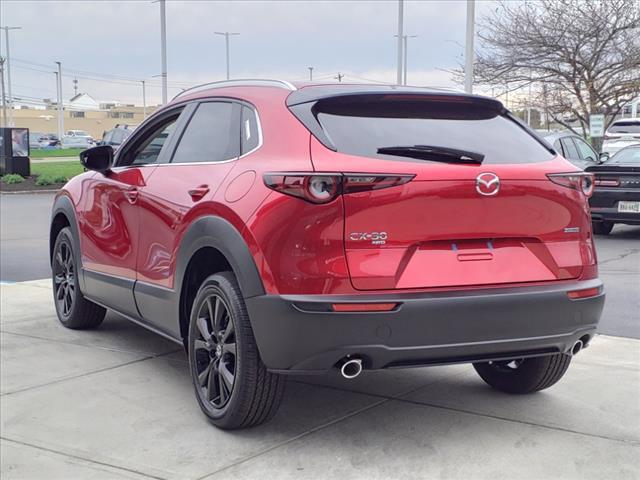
<point>625,127</point>
<point>626,155</point>
<point>363,125</point>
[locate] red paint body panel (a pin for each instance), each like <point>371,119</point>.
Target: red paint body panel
<point>440,233</point>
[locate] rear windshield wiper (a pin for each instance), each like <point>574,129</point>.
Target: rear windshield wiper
<point>434,153</point>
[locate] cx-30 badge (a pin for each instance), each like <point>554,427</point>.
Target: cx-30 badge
<point>487,184</point>
<point>376,238</point>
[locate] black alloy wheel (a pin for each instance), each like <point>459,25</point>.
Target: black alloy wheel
<point>64,278</point>
<point>215,351</point>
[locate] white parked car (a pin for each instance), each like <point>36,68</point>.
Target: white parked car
<point>621,133</point>
<point>77,139</point>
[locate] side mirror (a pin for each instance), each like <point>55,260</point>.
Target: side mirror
<point>604,156</point>
<point>99,159</point>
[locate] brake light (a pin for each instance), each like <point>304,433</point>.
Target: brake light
<point>363,307</point>
<point>586,293</point>
<point>325,187</point>
<point>581,181</point>
<point>609,182</point>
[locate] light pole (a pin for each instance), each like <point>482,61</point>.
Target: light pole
<point>468,53</point>
<point>163,49</point>
<point>404,61</point>
<point>8,56</point>
<point>4,102</point>
<point>226,40</point>
<point>60,110</point>
<point>400,34</point>
<point>310,74</point>
<point>144,100</point>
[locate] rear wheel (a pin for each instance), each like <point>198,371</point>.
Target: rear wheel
<point>525,375</point>
<point>232,385</point>
<point>602,228</point>
<point>73,309</point>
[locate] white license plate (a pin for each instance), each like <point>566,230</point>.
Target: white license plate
<point>629,207</point>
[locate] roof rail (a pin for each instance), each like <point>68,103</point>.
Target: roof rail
<point>257,82</point>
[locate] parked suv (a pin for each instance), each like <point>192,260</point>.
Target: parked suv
<point>274,229</point>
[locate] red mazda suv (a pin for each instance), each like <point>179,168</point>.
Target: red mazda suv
<point>275,229</point>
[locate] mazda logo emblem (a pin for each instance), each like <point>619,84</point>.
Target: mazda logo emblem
<point>487,184</point>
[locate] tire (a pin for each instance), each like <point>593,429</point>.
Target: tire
<point>232,385</point>
<point>602,228</point>
<point>73,309</point>
<point>526,375</point>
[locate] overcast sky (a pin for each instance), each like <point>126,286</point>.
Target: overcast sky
<point>116,42</point>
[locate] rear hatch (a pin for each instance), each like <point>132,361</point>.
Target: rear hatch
<point>479,209</point>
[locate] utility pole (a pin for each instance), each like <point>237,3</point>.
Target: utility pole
<point>144,100</point>
<point>60,110</point>
<point>529,100</point>
<point>163,48</point>
<point>226,40</point>
<point>8,57</point>
<point>310,74</point>
<point>4,101</point>
<point>468,55</point>
<point>400,34</point>
<point>75,87</point>
<point>404,62</point>
<point>339,77</point>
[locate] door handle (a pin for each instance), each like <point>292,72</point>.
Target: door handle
<point>198,192</point>
<point>131,194</point>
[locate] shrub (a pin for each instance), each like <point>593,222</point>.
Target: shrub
<point>12,178</point>
<point>50,179</point>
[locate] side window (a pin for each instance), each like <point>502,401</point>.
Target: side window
<point>570,150</point>
<point>249,130</point>
<point>149,151</point>
<point>586,152</point>
<point>558,147</point>
<point>212,134</point>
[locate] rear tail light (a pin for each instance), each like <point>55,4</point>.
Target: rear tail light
<point>586,293</point>
<point>325,187</point>
<point>581,181</point>
<point>607,182</point>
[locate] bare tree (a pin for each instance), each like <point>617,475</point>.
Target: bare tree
<point>585,55</point>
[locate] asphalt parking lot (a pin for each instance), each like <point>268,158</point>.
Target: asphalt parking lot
<point>118,403</point>
<point>24,233</point>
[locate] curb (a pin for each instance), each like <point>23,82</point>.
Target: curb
<point>22,192</point>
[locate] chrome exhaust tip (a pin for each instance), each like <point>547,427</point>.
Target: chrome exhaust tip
<point>576,348</point>
<point>351,367</point>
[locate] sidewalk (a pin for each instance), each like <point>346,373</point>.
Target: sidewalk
<point>118,403</point>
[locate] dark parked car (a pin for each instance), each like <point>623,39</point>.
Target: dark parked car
<point>616,198</point>
<point>574,148</point>
<point>117,135</point>
<point>275,229</point>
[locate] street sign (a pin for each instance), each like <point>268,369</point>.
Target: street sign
<point>596,125</point>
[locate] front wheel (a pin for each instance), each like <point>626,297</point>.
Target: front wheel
<point>73,309</point>
<point>232,385</point>
<point>525,375</point>
<point>602,228</point>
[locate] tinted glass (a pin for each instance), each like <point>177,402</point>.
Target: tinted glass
<point>362,127</point>
<point>570,150</point>
<point>625,127</point>
<point>249,130</point>
<point>212,135</point>
<point>558,147</point>
<point>149,151</point>
<point>586,152</point>
<point>626,155</point>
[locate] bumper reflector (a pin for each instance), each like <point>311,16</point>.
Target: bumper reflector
<point>586,293</point>
<point>363,307</point>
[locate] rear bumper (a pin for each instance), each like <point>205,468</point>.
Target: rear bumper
<point>297,333</point>
<point>604,205</point>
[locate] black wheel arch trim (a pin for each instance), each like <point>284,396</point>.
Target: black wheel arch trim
<point>218,233</point>
<point>63,205</point>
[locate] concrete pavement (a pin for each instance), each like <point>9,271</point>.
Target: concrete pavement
<point>118,403</point>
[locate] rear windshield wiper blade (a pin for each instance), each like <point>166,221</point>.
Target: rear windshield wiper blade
<point>434,153</point>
